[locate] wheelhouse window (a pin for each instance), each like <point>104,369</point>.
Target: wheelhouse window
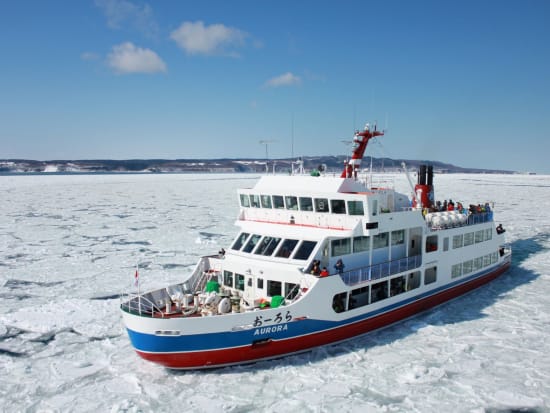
<point>245,200</point>
<point>278,202</point>
<point>267,246</point>
<point>274,288</point>
<point>254,201</point>
<point>287,247</point>
<point>340,246</point>
<point>304,250</point>
<point>356,208</point>
<point>306,204</point>
<point>337,206</point>
<point>291,202</point>
<point>251,243</point>
<point>240,241</point>
<point>321,205</point>
<point>266,201</point>
<point>361,243</point>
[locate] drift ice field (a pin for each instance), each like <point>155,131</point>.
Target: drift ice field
<point>69,246</point>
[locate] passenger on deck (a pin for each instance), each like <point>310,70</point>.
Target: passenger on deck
<point>339,266</point>
<point>315,270</point>
<point>324,272</point>
<point>500,230</point>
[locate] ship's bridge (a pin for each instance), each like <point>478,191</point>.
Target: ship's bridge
<point>317,202</point>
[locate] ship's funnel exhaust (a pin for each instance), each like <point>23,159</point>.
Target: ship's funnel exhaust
<point>424,188</point>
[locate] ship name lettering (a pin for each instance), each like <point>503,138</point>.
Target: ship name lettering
<point>271,329</point>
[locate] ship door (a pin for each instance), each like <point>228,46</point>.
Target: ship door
<point>249,289</point>
<point>415,242</point>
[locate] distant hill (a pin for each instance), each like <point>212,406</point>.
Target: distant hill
<point>330,163</point>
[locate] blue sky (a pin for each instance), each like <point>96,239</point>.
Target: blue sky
<point>463,82</point>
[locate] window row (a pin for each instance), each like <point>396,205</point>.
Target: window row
<point>373,293</point>
<point>470,238</point>
<point>273,246</point>
<point>476,264</point>
<point>343,246</point>
<point>290,202</point>
<point>272,288</point>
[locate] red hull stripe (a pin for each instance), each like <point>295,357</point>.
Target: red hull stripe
<point>277,348</point>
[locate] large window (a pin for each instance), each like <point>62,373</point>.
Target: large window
<point>240,241</point>
<point>266,201</point>
<point>255,201</point>
<point>251,243</point>
<point>431,243</point>
<point>340,246</point>
<point>397,285</point>
<point>278,202</point>
<point>267,246</point>
<point>430,275</point>
<point>361,243</point>
<point>467,266</point>
<point>291,202</point>
<point>488,234</point>
<point>380,240</point>
<point>456,270</point>
<point>413,280</point>
<point>338,206</point>
<point>286,248</point>
<point>274,288</point>
<point>245,201</point>
<point>306,204</point>
<point>379,291</point>
<point>228,279</point>
<point>479,236</point>
<point>398,237</point>
<point>291,290</point>
<point>457,241</point>
<point>355,208</point>
<point>304,250</point>
<point>239,282</point>
<point>468,239</point>
<point>321,205</point>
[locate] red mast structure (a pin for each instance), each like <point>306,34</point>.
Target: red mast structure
<point>360,140</point>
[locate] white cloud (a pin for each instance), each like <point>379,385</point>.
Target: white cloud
<point>216,39</point>
<point>286,79</point>
<point>121,12</point>
<point>127,58</point>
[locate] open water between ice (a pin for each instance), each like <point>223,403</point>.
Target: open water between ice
<point>69,246</point>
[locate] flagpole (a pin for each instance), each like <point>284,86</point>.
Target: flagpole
<point>137,281</point>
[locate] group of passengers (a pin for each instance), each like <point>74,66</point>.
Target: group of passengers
<point>316,268</point>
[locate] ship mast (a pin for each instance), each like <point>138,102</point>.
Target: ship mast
<point>360,141</point>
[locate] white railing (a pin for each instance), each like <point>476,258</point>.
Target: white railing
<point>378,271</point>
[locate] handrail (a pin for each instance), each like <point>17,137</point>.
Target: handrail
<point>378,271</point>
<point>134,303</point>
